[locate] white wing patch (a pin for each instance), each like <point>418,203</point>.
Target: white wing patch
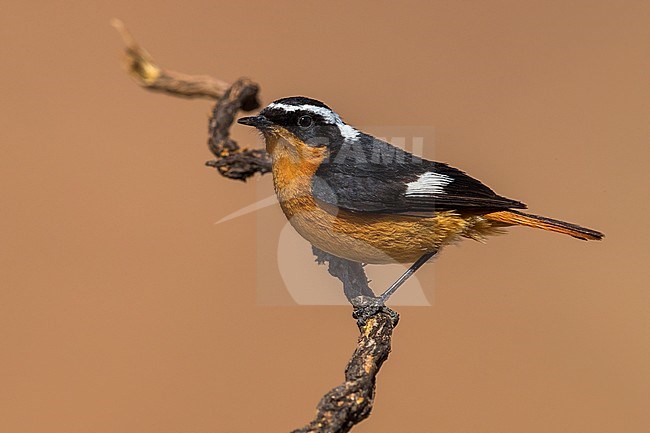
<point>427,184</point>
<point>348,132</point>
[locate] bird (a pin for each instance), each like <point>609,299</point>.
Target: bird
<point>363,199</point>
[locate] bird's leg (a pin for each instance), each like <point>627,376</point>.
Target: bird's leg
<point>367,307</point>
<point>405,276</point>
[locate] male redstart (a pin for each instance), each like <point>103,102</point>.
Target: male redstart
<point>363,199</point>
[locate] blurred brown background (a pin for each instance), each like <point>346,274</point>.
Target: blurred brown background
<point>123,308</point>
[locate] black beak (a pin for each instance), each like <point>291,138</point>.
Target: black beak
<point>260,122</point>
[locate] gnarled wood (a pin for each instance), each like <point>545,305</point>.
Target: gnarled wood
<point>350,402</point>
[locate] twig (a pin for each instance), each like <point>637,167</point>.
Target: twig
<point>147,73</point>
<point>232,161</point>
<point>355,281</point>
<point>351,402</point>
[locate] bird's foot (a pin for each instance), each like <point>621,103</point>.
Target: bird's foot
<point>367,306</point>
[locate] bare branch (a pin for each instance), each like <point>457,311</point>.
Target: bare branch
<point>351,402</point>
<point>232,161</point>
<point>142,67</point>
<point>351,274</point>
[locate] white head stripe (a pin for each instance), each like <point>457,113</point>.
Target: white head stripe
<point>427,184</point>
<point>348,132</point>
<point>329,115</point>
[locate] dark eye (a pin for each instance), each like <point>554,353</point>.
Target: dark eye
<point>305,121</point>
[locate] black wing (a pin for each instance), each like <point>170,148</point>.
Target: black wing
<point>371,175</point>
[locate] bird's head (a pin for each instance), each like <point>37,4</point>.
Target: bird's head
<point>304,126</point>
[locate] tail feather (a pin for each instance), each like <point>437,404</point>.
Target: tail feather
<point>513,217</point>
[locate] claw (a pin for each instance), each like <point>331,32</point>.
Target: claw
<point>366,307</point>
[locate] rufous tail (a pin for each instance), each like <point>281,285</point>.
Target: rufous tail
<point>523,219</point>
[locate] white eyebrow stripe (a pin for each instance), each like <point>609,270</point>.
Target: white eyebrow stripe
<point>347,131</point>
<point>329,115</point>
<point>427,184</point>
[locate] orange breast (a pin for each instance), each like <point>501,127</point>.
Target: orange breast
<point>361,237</point>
